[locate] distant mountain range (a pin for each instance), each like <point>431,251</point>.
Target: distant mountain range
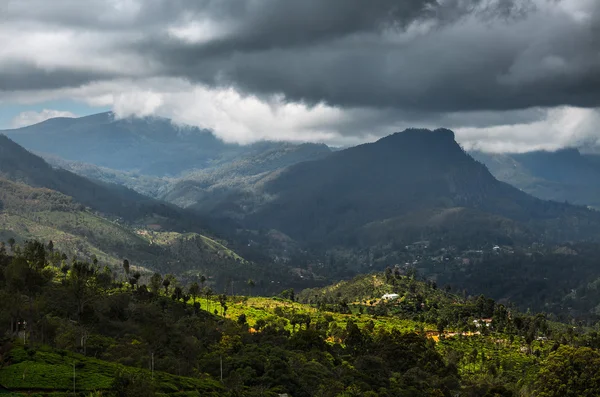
<point>147,146</point>
<point>563,175</point>
<point>410,184</point>
<point>517,226</point>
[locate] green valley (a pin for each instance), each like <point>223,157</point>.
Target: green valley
<point>386,334</point>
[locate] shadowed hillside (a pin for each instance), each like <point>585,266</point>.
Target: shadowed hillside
<point>403,175</point>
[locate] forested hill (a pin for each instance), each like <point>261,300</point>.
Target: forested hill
<point>407,173</point>
<point>204,190</point>
<point>18,164</point>
<point>92,331</point>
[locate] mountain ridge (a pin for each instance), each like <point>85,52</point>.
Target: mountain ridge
<point>561,175</point>
<point>405,172</point>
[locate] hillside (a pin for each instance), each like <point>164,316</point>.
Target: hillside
<point>151,186</point>
<point>18,164</point>
<point>404,174</point>
<point>563,175</point>
<point>39,213</point>
<point>205,190</point>
<point>28,213</point>
<point>86,218</point>
<point>151,146</point>
<point>88,331</point>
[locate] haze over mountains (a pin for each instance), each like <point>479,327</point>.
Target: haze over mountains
<point>563,175</point>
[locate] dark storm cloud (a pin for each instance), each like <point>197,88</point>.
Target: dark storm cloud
<point>24,77</point>
<point>415,55</point>
<point>509,55</point>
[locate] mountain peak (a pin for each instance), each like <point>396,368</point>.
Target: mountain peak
<point>440,134</point>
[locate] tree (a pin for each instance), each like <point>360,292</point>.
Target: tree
<point>202,281</point>
<point>168,280</point>
<point>223,302</point>
<point>134,279</point>
<point>156,282</point>
<point>134,384</point>
<point>194,291</point>
<point>388,274</point>
<point>11,243</point>
<point>569,372</point>
<point>208,292</point>
<point>251,286</point>
<point>288,294</point>
<point>79,278</point>
<point>441,326</point>
<point>27,275</point>
<point>104,279</point>
<point>177,294</point>
<point>126,267</point>
<point>65,270</point>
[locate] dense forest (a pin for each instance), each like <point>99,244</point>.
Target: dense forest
<point>69,324</point>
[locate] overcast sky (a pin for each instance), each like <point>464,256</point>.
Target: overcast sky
<point>504,74</point>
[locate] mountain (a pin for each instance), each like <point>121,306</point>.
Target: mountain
<point>28,213</point>
<point>148,185</point>
<point>19,165</point>
<point>152,146</point>
<point>204,190</point>
<point>415,173</point>
<point>87,218</point>
<point>562,175</point>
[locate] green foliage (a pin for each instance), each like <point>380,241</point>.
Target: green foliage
<point>135,341</point>
<point>569,372</point>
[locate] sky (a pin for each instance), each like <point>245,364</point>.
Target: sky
<point>505,75</point>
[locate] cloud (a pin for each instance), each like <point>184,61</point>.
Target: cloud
<point>235,117</point>
<point>341,71</point>
<point>558,128</point>
<point>24,119</point>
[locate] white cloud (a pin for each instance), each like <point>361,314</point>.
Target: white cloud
<point>24,119</point>
<point>232,116</point>
<point>558,128</point>
<point>235,117</point>
<point>197,31</point>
